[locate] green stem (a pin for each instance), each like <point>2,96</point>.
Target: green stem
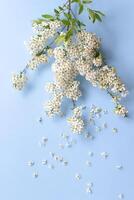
<point>69,10</point>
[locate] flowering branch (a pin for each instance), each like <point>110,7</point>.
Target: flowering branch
<point>76,52</point>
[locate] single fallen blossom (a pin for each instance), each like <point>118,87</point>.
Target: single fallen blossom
<point>78,176</point>
<point>31,163</point>
<point>104,155</point>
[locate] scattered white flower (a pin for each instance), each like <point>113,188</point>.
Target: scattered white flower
<point>35,175</point>
<point>120,196</point>
<point>52,154</point>
<point>65,163</point>
<point>78,176</point>
<point>90,153</point>
<point>61,159</point>
<point>90,184</point>
<point>114,130</point>
<point>88,163</point>
<point>31,163</point>
<point>44,162</point>
<point>51,166</point>
<point>43,141</point>
<point>120,167</point>
<point>104,155</point>
<point>89,190</point>
<point>40,120</point>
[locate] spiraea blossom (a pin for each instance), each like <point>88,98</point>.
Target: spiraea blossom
<point>76,121</point>
<point>19,80</point>
<point>75,52</point>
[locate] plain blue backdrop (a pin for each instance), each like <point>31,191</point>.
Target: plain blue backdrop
<point>19,111</point>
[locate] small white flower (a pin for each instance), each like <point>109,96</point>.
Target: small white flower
<point>120,196</point>
<point>88,163</point>
<point>104,155</point>
<point>35,175</point>
<point>120,167</point>
<point>78,176</point>
<point>89,190</point>
<point>65,163</point>
<point>90,153</point>
<point>50,166</point>
<point>31,163</point>
<point>115,130</point>
<point>52,154</point>
<point>90,184</point>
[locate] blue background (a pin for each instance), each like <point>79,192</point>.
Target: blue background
<point>19,111</point>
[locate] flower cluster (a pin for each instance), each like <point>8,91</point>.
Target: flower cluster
<point>53,106</point>
<point>76,121</point>
<point>42,33</point>
<point>38,49</point>
<point>35,61</point>
<point>121,110</point>
<point>19,80</point>
<point>82,57</point>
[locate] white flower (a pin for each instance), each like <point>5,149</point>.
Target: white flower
<point>98,61</point>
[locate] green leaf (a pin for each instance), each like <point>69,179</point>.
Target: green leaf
<point>75,1</point>
<point>87,1</point>
<point>100,13</point>
<point>95,15</point>
<point>68,34</point>
<point>46,16</point>
<point>66,22</point>
<point>92,15</point>
<point>81,7</point>
<point>60,8</point>
<point>60,39</point>
<point>38,21</point>
<point>68,15</point>
<point>56,12</point>
<point>98,17</point>
<point>80,24</point>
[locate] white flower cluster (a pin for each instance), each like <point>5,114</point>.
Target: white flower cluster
<point>19,80</point>
<point>36,46</point>
<point>42,33</point>
<point>82,57</point>
<point>53,106</point>
<point>121,110</point>
<point>76,121</point>
<point>35,61</point>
